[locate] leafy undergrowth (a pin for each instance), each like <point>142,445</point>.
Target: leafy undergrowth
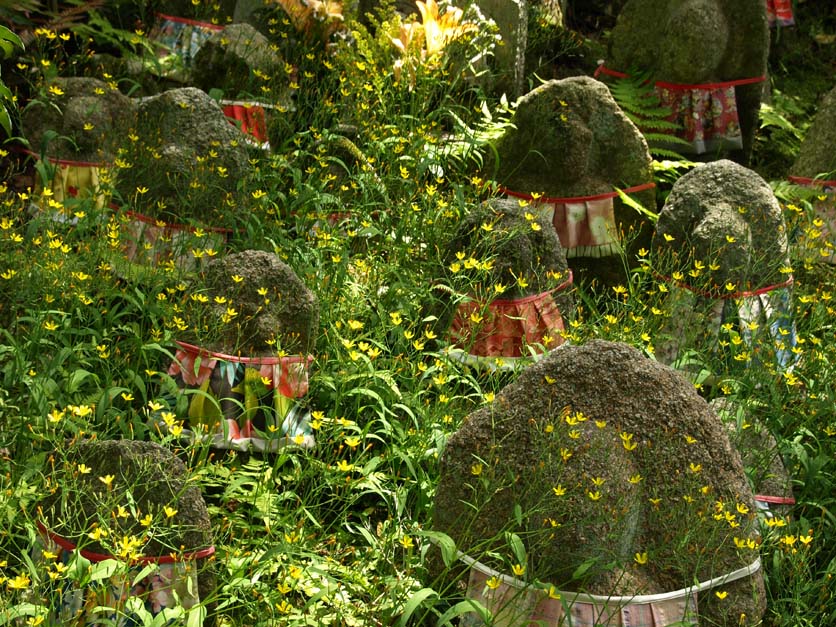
<point>341,534</point>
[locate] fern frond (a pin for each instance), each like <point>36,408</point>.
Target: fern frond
<point>657,113</point>
<point>666,153</point>
<point>637,97</point>
<point>661,125</point>
<point>665,138</point>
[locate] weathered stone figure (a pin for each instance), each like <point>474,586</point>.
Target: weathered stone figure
<point>527,261</point>
<point>277,310</point>
<point>571,146</point>
<point>253,361</point>
<point>723,214</point>
<point>698,42</point>
<point>609,464</point>
<point>185,157</point>
<point>232,59</point>
<point>722,232</point>
<point>817,156</point>
<point>815,168</point>
<point>133,500</point>
<point>87,120</point>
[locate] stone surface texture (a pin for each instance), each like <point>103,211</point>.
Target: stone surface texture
<point>516,249</point>
<point>188,157</point>
<point>511,17</point>
<point>549,461</point>
<point>818,155</point>
<point>89,120</point>
<point>153,477</point>
<point>571,139</point>
<point>231,59</point>
<point>725,214</point>
<point>288,313</point>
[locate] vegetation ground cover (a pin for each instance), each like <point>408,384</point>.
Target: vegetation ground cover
<point>371,170</point>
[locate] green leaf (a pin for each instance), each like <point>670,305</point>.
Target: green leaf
<point>673,165</point>
<point>79,570</point>
<point>465,607</point>
<point>104,569</point>
<point>372,541</point>
<point>444,542</point>
<point>664,152</point>
<point>153,346</point>
<point>77,379</point>
<point>637,206</point>
<point>149,568</point>
<point>5,120</point>
<point>19,611</point>
<point>581,570</point>
<point>8,37</point>
<point>666,139</point>
<point>196,616</point>
<point>517,548</point>
<point>415,601</point>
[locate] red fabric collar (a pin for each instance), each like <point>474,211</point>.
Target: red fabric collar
<point>552,200</point>
<point>603,69</point>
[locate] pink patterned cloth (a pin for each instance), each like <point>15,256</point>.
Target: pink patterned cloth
<point>585,225</point>
<point>153,242</point>
<point>779,12</point>
<point>171,584</point>
<point>706,112</point>
<point>512,607</point>
<point>513,602</point>
<point>507,327</point>
<point>246,402</point>
<point>708,116</point>
<point>287,375</point>
<point>586,228</point>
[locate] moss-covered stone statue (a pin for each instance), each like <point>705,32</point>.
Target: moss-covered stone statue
<point>692,43</point>
<point>600,471</point>
<point>568,151</point>
<point>721,244</point>
<point>247,354</point>
<point>134,502</point>
<point>511,283</point>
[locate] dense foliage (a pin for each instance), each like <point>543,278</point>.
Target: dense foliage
<point>383,121</point>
